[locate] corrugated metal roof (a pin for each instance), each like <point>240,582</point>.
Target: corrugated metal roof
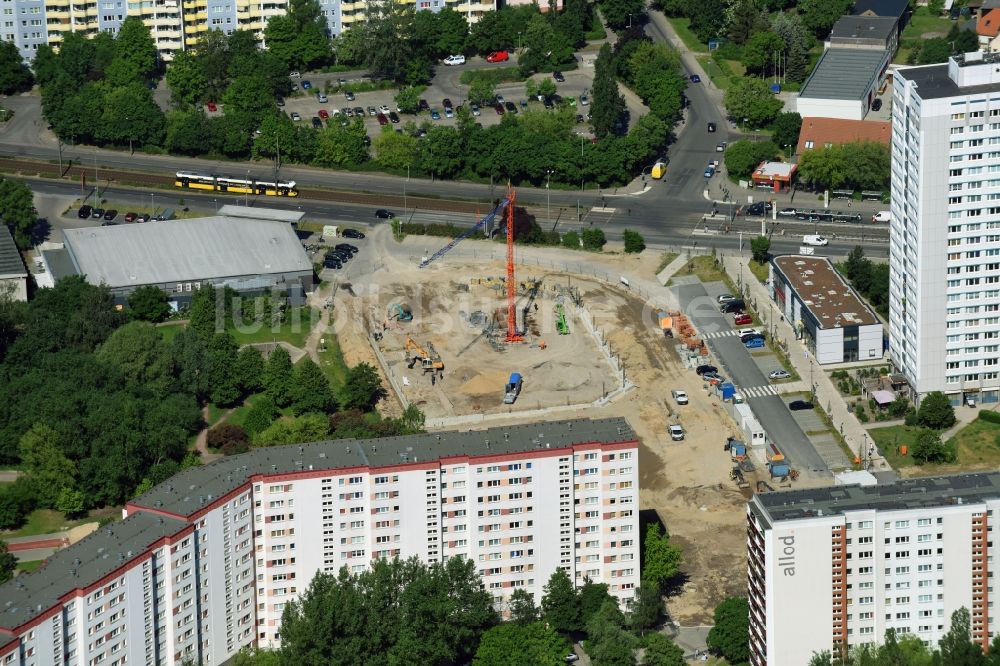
<point>10,258</point>
<point>843,74</point>
<point>273,214</point>
<point>191,250</point>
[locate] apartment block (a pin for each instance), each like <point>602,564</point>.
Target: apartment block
<point>840,565</point>
<point>944,255</point>
<point>203,564</point>
<point>176,25</point>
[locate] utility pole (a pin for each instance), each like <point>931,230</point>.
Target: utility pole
<point>97,183</point>
<point>548,195</point>
<point>405,182</point>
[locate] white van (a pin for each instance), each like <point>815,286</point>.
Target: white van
<point>815,240</point>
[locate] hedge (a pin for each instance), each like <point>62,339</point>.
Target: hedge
<point>990,416</point>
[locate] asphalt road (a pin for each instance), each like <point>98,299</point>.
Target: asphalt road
<point>699,303</point>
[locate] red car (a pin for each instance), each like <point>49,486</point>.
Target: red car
<point>498,107</point>
<point>382,119</point>
<point>324,114</point>
<point>498,56</point>
<point>212,107</point>
<point>741,319</point>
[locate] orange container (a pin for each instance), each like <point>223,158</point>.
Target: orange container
<point>902,449</point>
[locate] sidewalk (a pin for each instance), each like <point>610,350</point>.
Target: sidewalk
<point>827,396</point>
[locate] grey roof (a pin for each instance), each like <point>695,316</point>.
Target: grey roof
<point>926,492</point>
<point>196,487</point>
<point>273,214</point>
<point>843,74</point>
<point>10,258</point>
<point>933,82</point>
<point>191,250</point>
<point>81,565</point>
<point>894,8</point>
<point>60,264</point>
<point>863,27</point>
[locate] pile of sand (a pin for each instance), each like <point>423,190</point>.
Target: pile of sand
<point>484,383</point>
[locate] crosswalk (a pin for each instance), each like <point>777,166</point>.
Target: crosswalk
<point>719,334</point>
<point>758,391</point>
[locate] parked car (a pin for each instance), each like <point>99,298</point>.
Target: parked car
<point>680,397</point>
<point>384,109</point>
<point>511,107</point>
<point>317,123</point>
<point>446,103</point>
<point>84,212</point>
<point>372,111</point>
<point>353,249</point>
<point>423,105</point>
<point>294,75</point>
<point>705,369</point>
<point>475,109</point>
<point>798,405</point>
<point>524,104</point>
<point>359,112</point>
<point>786,212</point>
<point>721,147</point>
<point>97,213</point>
<point>735,305</point>
<point>382,119</point>
<point>498,107</point>
<point>347,112</point>
<point>449,112</point>
<point>352,233</point>
<point>324,114</point>
<point>349,96</point>
<point>584,100</point>
<point>750,336</point>
<point>558,76</point>
<point>754,343</point>
<point>384,214</point>
<point>130,217</point>
<point>306,85</point>
<point>393,117</point>
<point>756,209</point>
<point>882,216</point>
<point>876,104</point>
<point>111,214</point>
<point>580,118</point>
<point>279,100</point>
<point>498,56</point>
<point>454,60</point>
<point>435,114</point>
<point>295,116</point>
<point>695,78</point>
<point>709,171</point>
<point>499,99</point>
<point>676,432</point>
<point>742,319</point>
<point>779,374</point>
<point>747,331</point>
<point>332,262</point>
<point>322,98</point>
<point>725,298</point>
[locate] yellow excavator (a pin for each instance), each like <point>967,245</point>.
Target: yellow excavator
<point>429,359</point>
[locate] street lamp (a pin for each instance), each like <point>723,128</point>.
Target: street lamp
<point>128,123</point>
<point>404,187</point>
<point>548,194</point>
<point>630,20</point>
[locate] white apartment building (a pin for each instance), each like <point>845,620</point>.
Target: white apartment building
<point>203,564</point>
<point>944,257</point>
<point>842,564</point>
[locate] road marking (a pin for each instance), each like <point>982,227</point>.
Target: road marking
<point>718,334</point>
<point>758,391</point>
<point>601,209</point>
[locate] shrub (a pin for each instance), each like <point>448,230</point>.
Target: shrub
<point>229,438</point>
<point>930,449</point>
<point>989,416</point>
<point>935,411</point>
<point>571,239</point>
<point>634,242</point>
<point>911,417</point>
<point>593,239</point>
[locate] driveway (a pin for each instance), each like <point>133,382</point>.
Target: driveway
<point>698,302</point>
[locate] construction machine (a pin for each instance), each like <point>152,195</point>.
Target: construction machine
<point>399,312</point>
<point>430,360</point>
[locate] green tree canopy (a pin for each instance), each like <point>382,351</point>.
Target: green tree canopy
<point>362,388</point>
<point>278,382</point>
<point>661,559</point>
<point>134,45</point>
<point>751,101</point>
<point>761,51</point>
<point>820,15</point>
<point>15,76</point>
<point>935,411</point>
<point>47,468</point>
<point>760,248</point>
<point>17,207</point>
<point>311,390</point>
<point>512,644</point>
<point>607,104</point>
<point>8,561</point>
<point>743,156</point>
<point>522,607</point>
<point>730,636</point>
<point>661,651</point>
<point>786,128</point>
<point>149,303</point>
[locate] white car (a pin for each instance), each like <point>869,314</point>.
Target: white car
<point>680,397</point>
<point>676,432</point>
<point>454,60</point>
<point>881,216</point>
<point>725,298</point>
<point>384,109</point>
<point>779,374</point>
<point>815,240</point>
<point>747,331</point>
<point>294,75</point>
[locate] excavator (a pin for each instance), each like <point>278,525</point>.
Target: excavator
<point>429,359</point>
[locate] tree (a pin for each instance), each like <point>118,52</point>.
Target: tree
<point>731,634</point>
<point>621,13</point>
<point>45,465</point>
<point>860,165</point>
<point>933,50</point>
<point>786,128</point>
<point>743,156</point>
<point>395,151</point>
<point>593,239</point>
<point>956,646</point>
<point>661,651</point>
<point>408,99</point>
<point>646,608</point>
<point>261,415</point>
<point>560,603</point>
<point>607,104</point>
<point>8,561</point>
<point>512,644</point>
<point>708,18</point>
<point>592,597</point>
<point>543,47</point>
<point>760,248</point>
<point>310,427</point>
<point>228,438</point>
<point>186,79</point>
<point>928,448</point>
<point>746,19</point>
<point>250,369</point>
<point>362,388</point>
<point>223,376</point>
<point>820,15</point>
<point>17,207</point>
<point>299,39</point>
<point>278,377</point>
<point>442,152</point>
<point>935,411</point>
<point>188,133</point>
<point>131,115</point>
<point>338,145</point>
<point>248,99</point>
<point>482,89</point>
<point>137,351</point>
<point>962,41</point>
<point>15,76</point>
<point>71,502</point>
<point>634,242</point>
<point>522,607</point>
<point>661,559</point>
<point>149,303</point>
<point>384,53</point>
<point>608,643</point>
<point>134,45</point>
<point>750,100</point>
<point>311,390</point>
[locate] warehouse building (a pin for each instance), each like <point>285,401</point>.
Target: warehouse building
<point>13,275</point>
<point>250,255</point>
<point>205,562</point>
<point>837,566</point>
<point>844,83</point>
<point>826,313</point>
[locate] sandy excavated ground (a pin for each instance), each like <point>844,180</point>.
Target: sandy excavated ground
<point>686,483</point>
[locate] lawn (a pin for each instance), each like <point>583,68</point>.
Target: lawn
<point>666,259</point>
<point>891,438</point>
<point>170,329</point>
<point>722,72</point>
<point>215,413</point>
<point>978,443</point>
<point>331,361</point>
<point>683,28</point>
<point>921,23</point>
<point>47,521</point>
<point>294,330</point>
<point>760,271</point>
<point>704,268</point>
<point>30,565</point>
